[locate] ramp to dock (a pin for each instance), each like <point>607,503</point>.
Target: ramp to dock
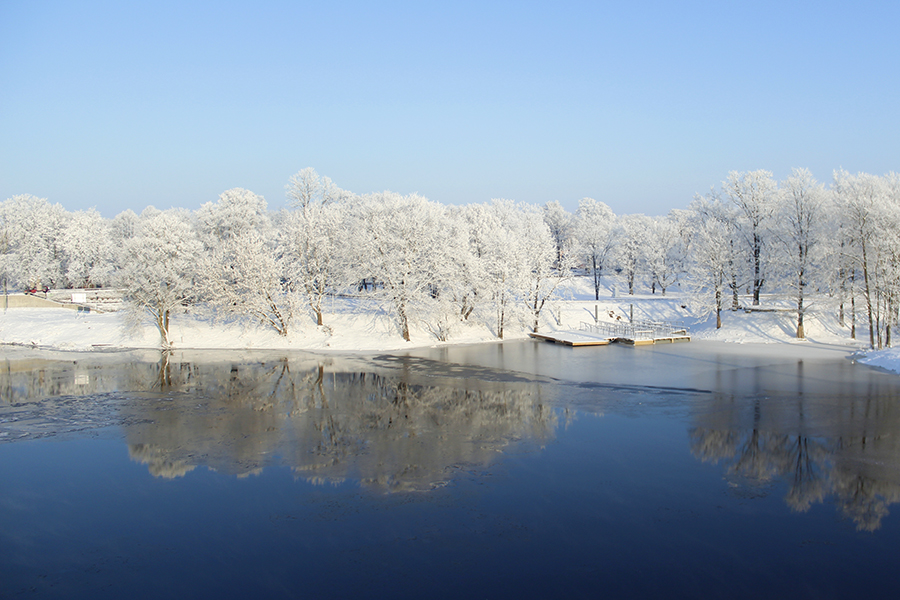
<point>30,301</point>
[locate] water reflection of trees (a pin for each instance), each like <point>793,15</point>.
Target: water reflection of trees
<point>29,377</point>
<point>846,447</point>
<point>386,429</point>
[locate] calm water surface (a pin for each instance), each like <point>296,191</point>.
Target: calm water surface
<point>508,470</point>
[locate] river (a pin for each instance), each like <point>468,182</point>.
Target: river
<point>519,469</point>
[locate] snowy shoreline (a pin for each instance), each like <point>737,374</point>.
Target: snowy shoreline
<point>354,332</point>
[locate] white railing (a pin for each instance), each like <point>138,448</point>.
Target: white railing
<point>636,330</point>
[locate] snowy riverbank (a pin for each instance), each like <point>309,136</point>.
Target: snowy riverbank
<point>355,328</point>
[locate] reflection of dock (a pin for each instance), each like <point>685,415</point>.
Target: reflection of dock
<point>635,333</point>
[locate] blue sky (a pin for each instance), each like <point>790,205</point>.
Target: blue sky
<point>641,105</point>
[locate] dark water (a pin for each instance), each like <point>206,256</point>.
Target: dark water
<point>493,471</point>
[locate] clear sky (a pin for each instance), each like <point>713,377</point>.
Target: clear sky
<point>638,104</point>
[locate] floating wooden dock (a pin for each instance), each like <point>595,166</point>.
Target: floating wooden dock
<point>633,334</point>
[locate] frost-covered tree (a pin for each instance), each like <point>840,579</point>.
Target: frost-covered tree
<point>314,237</point>
<point>243,271</point>
<point>664,252</point>
<point>455,291</point>
<point>495,263</point>
<point>244,277</point>
<point>157,276</point>
<point>800,226</point>
<point>306,187</point>
<point>712,207</point>
<point>399,243</point>
<point>120,229</point>
<point>314,243</point>
<point>87,246</point>
<point>470,226</point>
<point>753,193</point>
<point>237,212</point>
<point>594,232</point>
<point>858,199</point>
<point>891,245</point>
<point>8,239</point>
<point>36,241</point>
<point>710,248</point>
<point>634,231</point>
<point>559,222</point>
<point>542,268</point>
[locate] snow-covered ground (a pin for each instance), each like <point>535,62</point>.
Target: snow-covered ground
<point>355,327</point>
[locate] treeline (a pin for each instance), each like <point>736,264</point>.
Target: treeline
<point>496,263</point>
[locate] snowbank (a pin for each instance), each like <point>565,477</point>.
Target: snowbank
<point>353,326</point>
<point>888,359</point>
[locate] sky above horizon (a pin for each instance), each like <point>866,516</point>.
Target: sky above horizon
<point>641,105</point>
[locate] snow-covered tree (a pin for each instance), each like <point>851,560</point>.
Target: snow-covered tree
<point>541,267</point>
<point>237,212</point>
<point>470,288</point>
<point>891,245</point>
<point>710,248</point>
<point>594,232</point>
<point>315,250</point>
<point>87,246</point>
<point>559,222</point>
<point>495,263</point>
<point>8,239</point>
<point>634,231</point>
<point>36,241</point>
<point>244,272</point>
<point>858,199</point>
<point>306,187</point>
<point>398,242</point>
<point>753,192</point>
<point>157,275</point>
<point>456,277</point>
<point>664,252</point>
<point>799,229</point>
<point>712,207</point>
<point>244,277</point>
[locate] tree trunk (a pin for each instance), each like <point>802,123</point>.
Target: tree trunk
<point>887,322</point>
<point>718,308</point>
<point>404,322</point>
<point>162,323</point>
<point>868,292</point>
<point>757,283</point>
<point>800,332</point>
<point>735,303</point>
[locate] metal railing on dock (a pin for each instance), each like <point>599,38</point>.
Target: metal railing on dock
<point>638,331</point>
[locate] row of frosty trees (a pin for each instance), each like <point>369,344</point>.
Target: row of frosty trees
<point>497,263</point>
